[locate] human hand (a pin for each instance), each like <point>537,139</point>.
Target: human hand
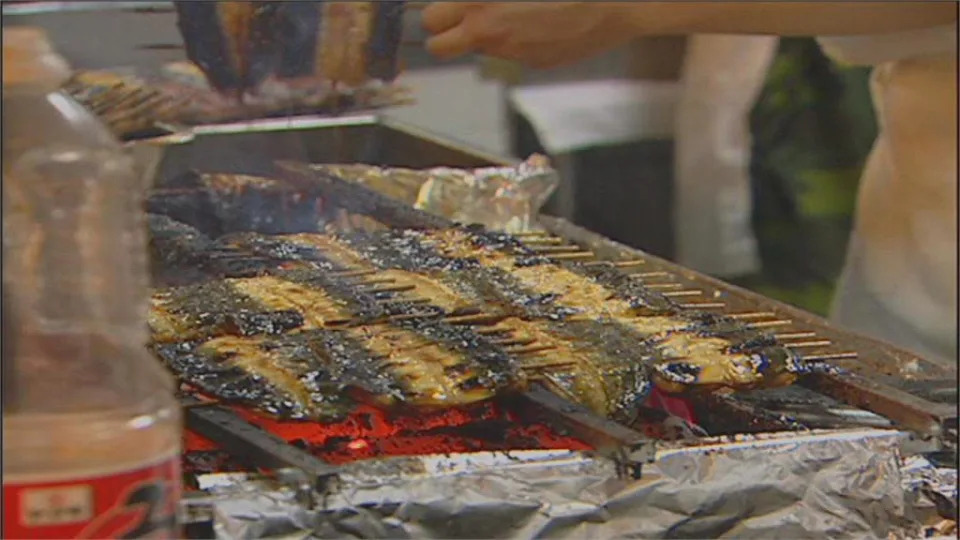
<point>537,34</point>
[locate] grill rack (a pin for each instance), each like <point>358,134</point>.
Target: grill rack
<point>871,379</point>
<point>866,399</point>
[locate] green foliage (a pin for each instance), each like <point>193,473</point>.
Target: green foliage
<point>813,127</point>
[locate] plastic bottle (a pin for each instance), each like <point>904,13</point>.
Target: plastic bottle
<point>91,431</point>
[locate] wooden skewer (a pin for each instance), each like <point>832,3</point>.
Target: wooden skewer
<point>493,331</point>
<point>615,264</point>
<point>532,349</point>
<point>831,356</point>
<point>412,316</point>
<point>337,322</point>
<point>628,264</point>
<point>557,387</point>
<point>555,249</point>
<point>398,299</point>
<point>753,315</point>
<point>795,335</point>
<point>648,275</point>
<point>576,256</point>
<point>664,286</point>
<point>513,342</point>
<point>704,305</point>
<point>392,288</point>
<point>770,324</point>
<point>479,318</point>
<point>543,240</point>
<point>548,365</point>
<point>807,344</point>
<point>531,233</point>
<point>679,294</point>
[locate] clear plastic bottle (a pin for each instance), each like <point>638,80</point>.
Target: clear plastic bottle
<point>91,431</point>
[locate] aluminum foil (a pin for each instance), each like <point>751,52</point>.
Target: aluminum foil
<point>501,198</point>
<point>827,484</point>
<point>933,490</point>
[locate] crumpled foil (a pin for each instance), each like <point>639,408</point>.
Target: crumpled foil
<point>501,198</point>
<point>504,199</point>
<point>934,494</point>
<point>822,484</point>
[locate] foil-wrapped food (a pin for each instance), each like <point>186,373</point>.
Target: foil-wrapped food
<point>504,199</point>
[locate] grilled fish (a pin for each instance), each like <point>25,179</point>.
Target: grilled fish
<point>589,333</point>
<point>239,44</point>
<point>317,374</point>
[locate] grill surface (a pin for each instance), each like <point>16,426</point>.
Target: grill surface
<point>871,392</point>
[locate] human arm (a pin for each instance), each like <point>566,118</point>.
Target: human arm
<point>548,34</point>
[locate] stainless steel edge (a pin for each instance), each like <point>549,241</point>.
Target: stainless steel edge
<point>290,123</point>
<point>41,8</point>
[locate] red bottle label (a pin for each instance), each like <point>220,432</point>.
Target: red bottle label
<point>141,503</point>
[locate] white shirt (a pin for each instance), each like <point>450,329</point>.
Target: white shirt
<point>900,282</point>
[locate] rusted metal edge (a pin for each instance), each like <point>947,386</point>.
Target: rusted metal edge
<point>606,436</point>
<point>251,444</point>
<point>912,412</point>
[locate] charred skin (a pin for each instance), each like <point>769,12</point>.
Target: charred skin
<point>240,44</point>
<point>597,344</point>
<point>314,374</point>
<point>216,204</point>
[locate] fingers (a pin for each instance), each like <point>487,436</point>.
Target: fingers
<point>451,44</point>
<point>439,17</point>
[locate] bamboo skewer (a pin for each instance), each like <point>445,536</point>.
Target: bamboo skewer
<point>704,305</point>
<point>681,294</point>
<point>531,349</point>
<point>649,275</point>
<point>664,286</point>
<point>808,344</point>
<point>830,356</point>
<point>795,335</point>
<point>752,315</point>
<point>770,324</point>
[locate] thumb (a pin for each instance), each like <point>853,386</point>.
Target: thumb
<point>451,44</point>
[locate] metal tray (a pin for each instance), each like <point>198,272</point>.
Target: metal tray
<point>254,147</point>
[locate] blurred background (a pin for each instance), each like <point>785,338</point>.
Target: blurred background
<point>809,120</point>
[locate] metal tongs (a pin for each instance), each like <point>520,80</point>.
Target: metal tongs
<point>240,44</point>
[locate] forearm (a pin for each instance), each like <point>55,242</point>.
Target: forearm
<point>785,18</point>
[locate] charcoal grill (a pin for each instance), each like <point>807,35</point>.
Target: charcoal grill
<point>879,391</point>
<point>571,472</point>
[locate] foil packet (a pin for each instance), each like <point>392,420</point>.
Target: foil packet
<point>506,199</point>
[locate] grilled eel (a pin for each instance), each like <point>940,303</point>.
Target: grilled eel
<point>319,374</point>
<point>240,44</point>
<point>594,360</point>
<point>720,352</point>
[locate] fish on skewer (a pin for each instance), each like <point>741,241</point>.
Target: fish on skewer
<point>240,44</point>
<point>318,374</point>
<point>605,359</point>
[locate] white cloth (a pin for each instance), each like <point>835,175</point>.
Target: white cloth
<point>900,282</point>
<point>722,78</point>
<point>573,116</point>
